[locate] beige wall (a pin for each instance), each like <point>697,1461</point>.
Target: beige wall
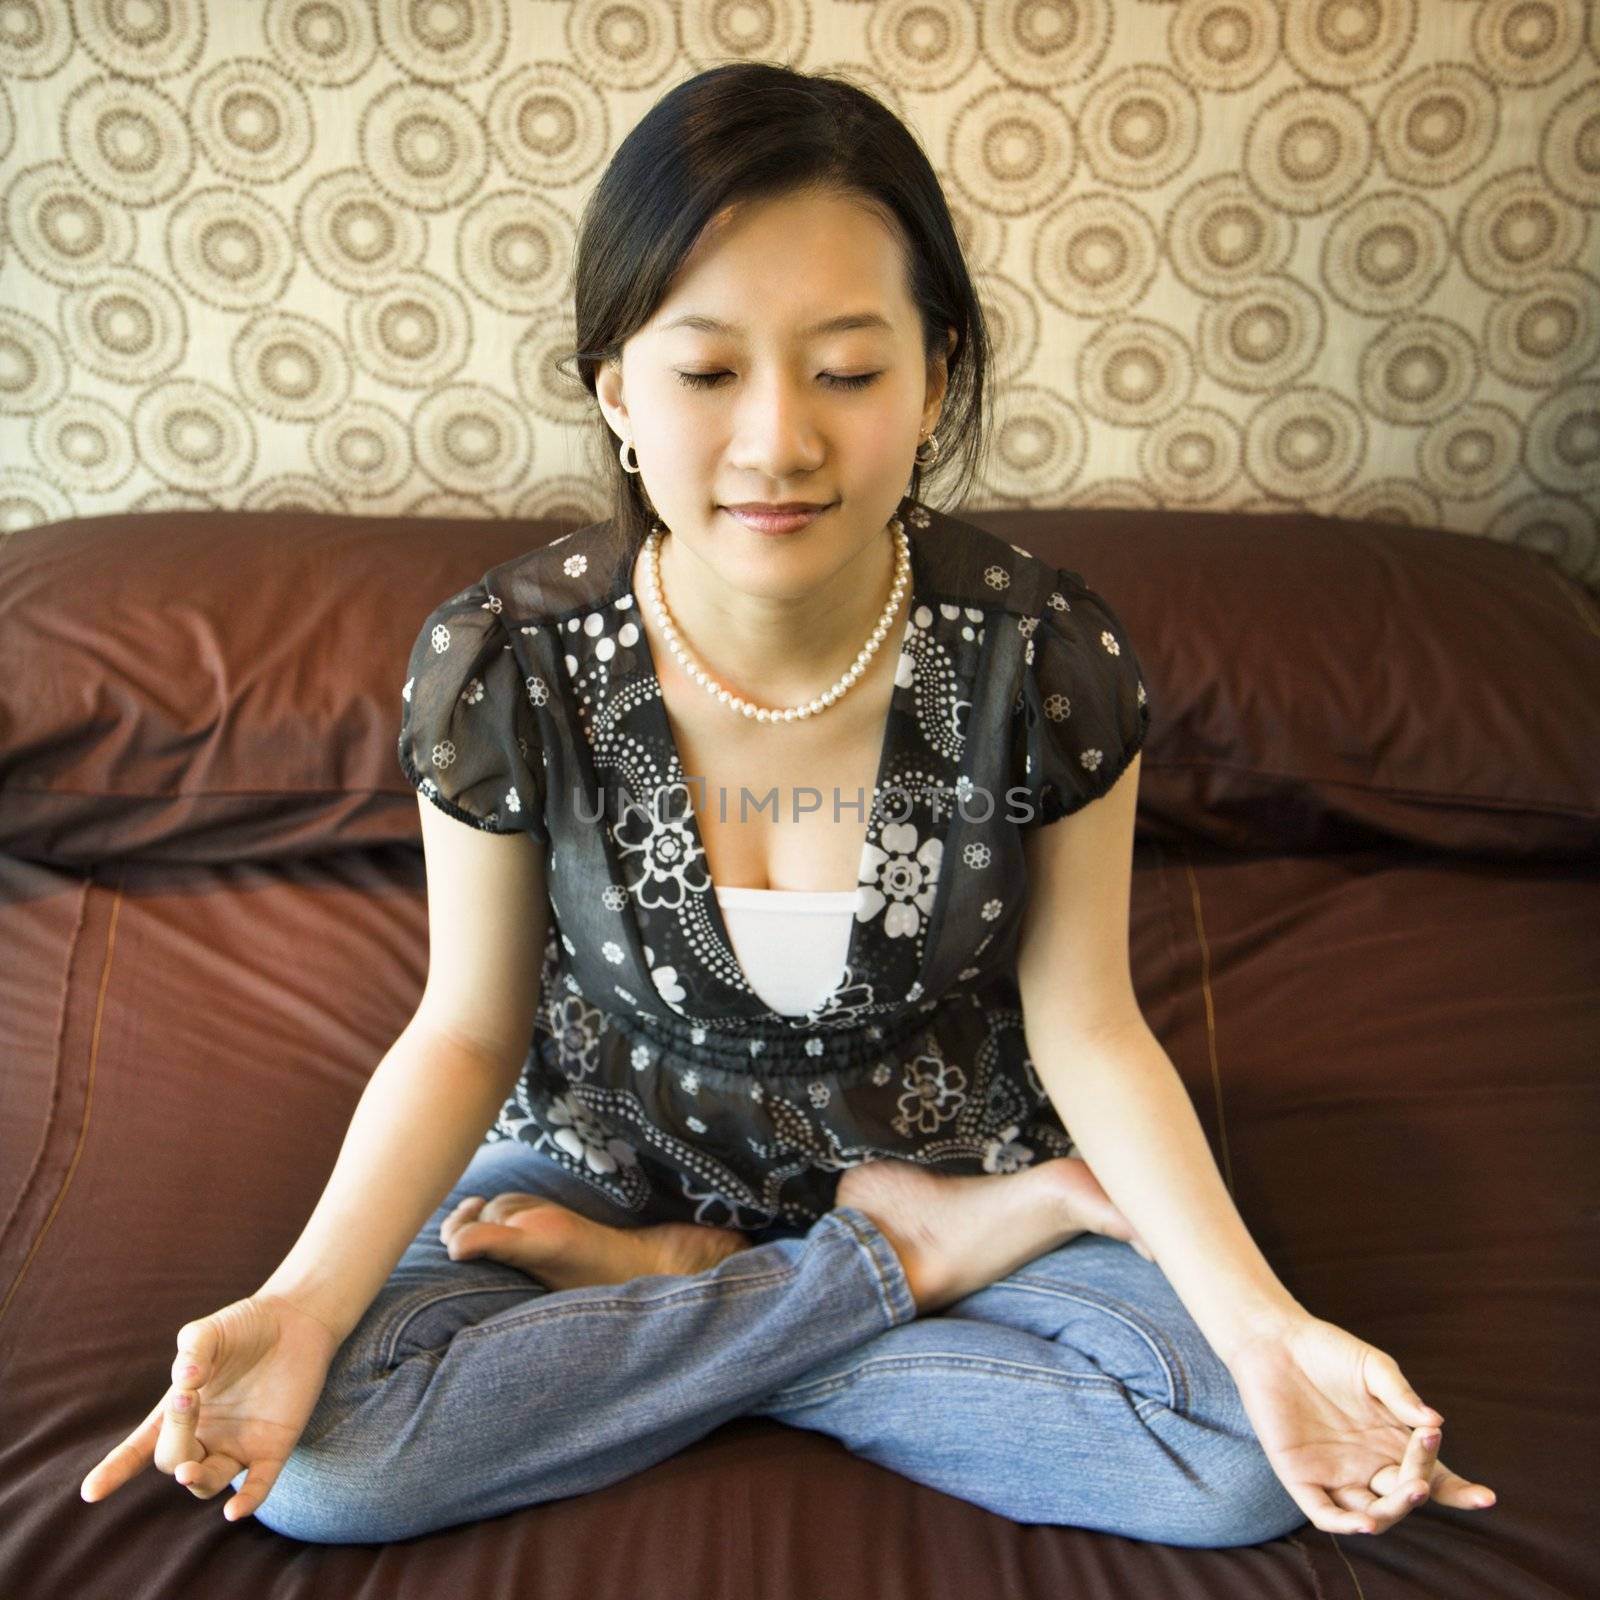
<point>1332,254</point>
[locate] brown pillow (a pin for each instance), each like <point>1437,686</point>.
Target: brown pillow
<point>1322,684</point>
<point>222,685</point>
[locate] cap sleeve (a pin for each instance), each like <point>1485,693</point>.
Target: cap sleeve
<point>1082,712</point>
<point>468,738</point>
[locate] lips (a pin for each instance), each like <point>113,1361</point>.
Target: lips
<point>775,521</point>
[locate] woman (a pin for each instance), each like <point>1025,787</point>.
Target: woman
<point>709,1189</point>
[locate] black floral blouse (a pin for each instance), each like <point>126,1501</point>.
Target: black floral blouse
<point>655,1072</point>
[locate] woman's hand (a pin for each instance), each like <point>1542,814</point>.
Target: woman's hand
<point>1345,1432</point>
<point>243,1386</point>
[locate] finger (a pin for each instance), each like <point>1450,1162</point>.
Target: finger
<point>1451,1489</point>
<point>176,1443</point>
<point>1385,1379</point>
<point>206,1478</point>
<point>462,1212</point>
<point>1325,1513</point>
<point>1352,1497</point>
<point>254,1489</point>
<point>135,1453</point>
<point>1408,1484</point>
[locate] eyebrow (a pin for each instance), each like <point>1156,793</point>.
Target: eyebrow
<point>851,319</point>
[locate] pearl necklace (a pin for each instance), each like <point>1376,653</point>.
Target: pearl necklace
<point>652,584</point>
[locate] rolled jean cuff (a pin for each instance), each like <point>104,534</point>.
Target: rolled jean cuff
<point>894,1292</point>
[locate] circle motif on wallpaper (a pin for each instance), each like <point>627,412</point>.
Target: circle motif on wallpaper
<point>290,367</point>
<point>8,124</point>
<point>441,503</point>
<point>1547,333</point>
<point>83,444</point>
<point>252,122</point>
<point>1527,43</point>
<point>413,330</point>
<point>922,46</point>
<point>1139,128</point>
<point>28,500</point>
<point>292,491</point>
<point>722,30</point>
<point>1512,227</point>
<point>1191,457</point>
<point>229,249</point>
<point>1561,528</point>
<point>1346,43</point>
<point>1471,453</point>
<point>141,41</point>
<point>1385,253</point>
<point>1303,443</point>
<point>1438,126</point>
<point>1135,372</point>
<point>33,365</point>
<point>551,392</point>
<point>1562,450</point>
<point>36,38</point>
<point>470,440</point>
<point>354,235</point>
<point>1043,46</point>
<point>1039,444</point>
<point>564,499</point>
<point>624,44</point>
<point>514,250</point>
<point>128,326</point>
<point>1012,320</point>
<point>424,146</point>
<point>1418,369</point>
<point>1569,152</point>
<point>548,126</point>
<point>1219,236</point>
<point>127,141</point>
<point>982,235</point>
<point>1390,500</point>
<point>1095,255</point>
<point>1222,46</point>
<point>363,450</point>
<point>62,229</point>
<point>1264,338</point>
<point>325,42</point>
<point>193,435</point>
<point>444,41</point>
<point>1011,151</point>
<point>1307,149</point>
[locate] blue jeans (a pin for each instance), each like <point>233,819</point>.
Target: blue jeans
<point>1075,1391</point>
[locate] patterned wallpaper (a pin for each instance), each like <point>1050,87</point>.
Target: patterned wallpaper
<point>1331,254</point>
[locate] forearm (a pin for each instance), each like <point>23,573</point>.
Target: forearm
<point>424,1112</point>
<point>1130,1116</point>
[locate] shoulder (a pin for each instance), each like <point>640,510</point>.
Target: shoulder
<point>970,566</point>
<point>570,574</point>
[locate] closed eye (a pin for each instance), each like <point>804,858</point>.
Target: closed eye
<point>837,380</point>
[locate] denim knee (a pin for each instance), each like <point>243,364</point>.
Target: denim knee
<point>323,1501</point>
<point>1250,1505</point>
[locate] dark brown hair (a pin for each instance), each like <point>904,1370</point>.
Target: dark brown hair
<point>754,130</point>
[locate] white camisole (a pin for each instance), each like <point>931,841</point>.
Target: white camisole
<point>790,942</point>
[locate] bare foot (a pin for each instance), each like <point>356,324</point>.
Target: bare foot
<point>566,1250</point>
<point>955,1236</point>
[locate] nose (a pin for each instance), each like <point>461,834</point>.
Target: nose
<point>778,440</point>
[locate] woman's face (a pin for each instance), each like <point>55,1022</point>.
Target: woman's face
<point>769,408</point>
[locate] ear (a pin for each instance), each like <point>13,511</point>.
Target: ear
<point>608,391</point>
<point>938,381</point>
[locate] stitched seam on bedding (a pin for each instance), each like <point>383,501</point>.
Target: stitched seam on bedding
<point>1211,1016</point>
<point>94,1058</point>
